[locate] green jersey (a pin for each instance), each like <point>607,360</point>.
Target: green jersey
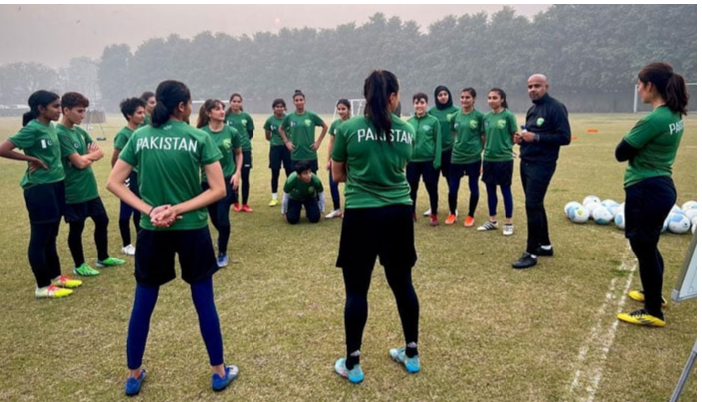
<point>376,176</point>
<point>498,129</point>
<point>427,143</point>
<point>80,183</point>
<point>657,137</point>
<point>334,126</point>
<point>299,128</point>
<point>243,123</point>
<point>122,138</point>
<point>40,141</point>
<point>146,122</point>
<point>468,131</point>
<point>170,158</point>
<point>443,116</point>
<point>273,124</point>
<point>298,190</point>
<point>227,140</point>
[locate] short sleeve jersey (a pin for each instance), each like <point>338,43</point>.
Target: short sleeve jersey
<point>299,128</point>
<point>243,123</point>
<point>226,140</point>
<point>657,137</point>
<point>272,124</point>
<point>40,141</point>
<point>376,176</point>
<point>170,158</point>
<point>80,183</point>
<point>468,131</point>
<point>443,116</point>
<point>298,190</point>
<point>498,129</point>
<point>121,139</point>
<point>334,126</point>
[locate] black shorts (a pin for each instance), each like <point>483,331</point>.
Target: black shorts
<point>369,233</point>
<point>313,165</point>
<point>46,203</point>
<point>466,169</point>
<point>278,155</point>
<point>79,212</point>
<point>648,203</point>
<point>156,251</point>
<point>498,173</point>
<point>446,162</point>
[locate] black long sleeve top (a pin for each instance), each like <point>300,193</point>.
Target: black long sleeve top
<point>548,119</point>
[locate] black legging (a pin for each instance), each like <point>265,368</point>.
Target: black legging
<point>245,184</point>
<point>43,257</point>
<point>75,239</point>
<point>357,281</point>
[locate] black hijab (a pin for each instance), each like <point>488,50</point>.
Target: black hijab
<point>442,106</point>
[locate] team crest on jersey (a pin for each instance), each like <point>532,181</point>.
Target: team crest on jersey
<point>502,123</point>
<point>227,143</point>
<point>473,124</point>
<point>540,122</point>
<point>76,145</point>
<point>426,127</point>
<point>243,122</point>
<point>308,122</point>
<point>456,125</point>
<point>310,190</point>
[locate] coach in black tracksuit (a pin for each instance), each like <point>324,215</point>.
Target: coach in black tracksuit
<point>547,129</point>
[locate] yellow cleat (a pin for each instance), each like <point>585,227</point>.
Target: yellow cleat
<point>65,281</point>
<point>52,292</point>
<point>639,296</point>
<point>641,317</point>
<point>273,203</point>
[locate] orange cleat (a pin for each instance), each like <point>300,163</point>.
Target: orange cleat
<point>450,220</point>
<point>236,207</point>
<point>469,222</point>
<point>246,208</point>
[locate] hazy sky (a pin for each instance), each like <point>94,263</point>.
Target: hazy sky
<point>53,34</point>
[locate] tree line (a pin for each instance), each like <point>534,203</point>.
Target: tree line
<point>591,54</point>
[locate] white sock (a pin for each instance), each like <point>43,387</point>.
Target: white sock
<point>546,247</point>
<point>274,196</point>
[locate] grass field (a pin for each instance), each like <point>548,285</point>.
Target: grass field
<point>487,332</point>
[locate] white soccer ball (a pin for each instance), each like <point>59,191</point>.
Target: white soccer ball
<point>691,213</point>
<point>602,216</point>
<point>591,207</point>
<point>578,214</point>
<point>614,208</point>
<point>675,210</point>
<point>678,224</point>
<point>589,199</point>
<point>689,205</point>
<point>570,205</point>
<point>619,220</point>
<point>606,203</point>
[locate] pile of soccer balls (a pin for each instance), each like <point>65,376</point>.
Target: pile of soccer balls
<point>679,220</point>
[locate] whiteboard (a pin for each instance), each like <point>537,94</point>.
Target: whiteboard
<point>686,288</point>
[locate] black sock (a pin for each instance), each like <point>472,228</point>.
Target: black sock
<point>353,359</point>
<point>411,350</point>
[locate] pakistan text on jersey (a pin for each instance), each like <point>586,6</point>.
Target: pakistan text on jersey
<point>366,134</point>
<point>167,144</point>
<point>676,128</point>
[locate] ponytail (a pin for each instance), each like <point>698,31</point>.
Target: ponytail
<point>202,118</point>
<point>169,95</point>
<point>669,84</point>
<point>377,89</point>
<point>38,98</point>
<point>503,95</point>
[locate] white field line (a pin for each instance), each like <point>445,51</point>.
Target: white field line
<point>593,353</point>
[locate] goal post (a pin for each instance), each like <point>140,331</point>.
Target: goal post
<point>691,89</point>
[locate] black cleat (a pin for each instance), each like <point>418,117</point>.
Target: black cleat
<point>525,261</point>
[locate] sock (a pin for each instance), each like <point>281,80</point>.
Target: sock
<point>546,247</point>
<point>353,359</point>
<point>274,196</point>
<point>411,350</point>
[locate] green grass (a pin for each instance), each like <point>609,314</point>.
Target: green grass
<point>487,332</point>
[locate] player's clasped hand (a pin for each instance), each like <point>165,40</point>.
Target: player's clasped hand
<point>163,216</point>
